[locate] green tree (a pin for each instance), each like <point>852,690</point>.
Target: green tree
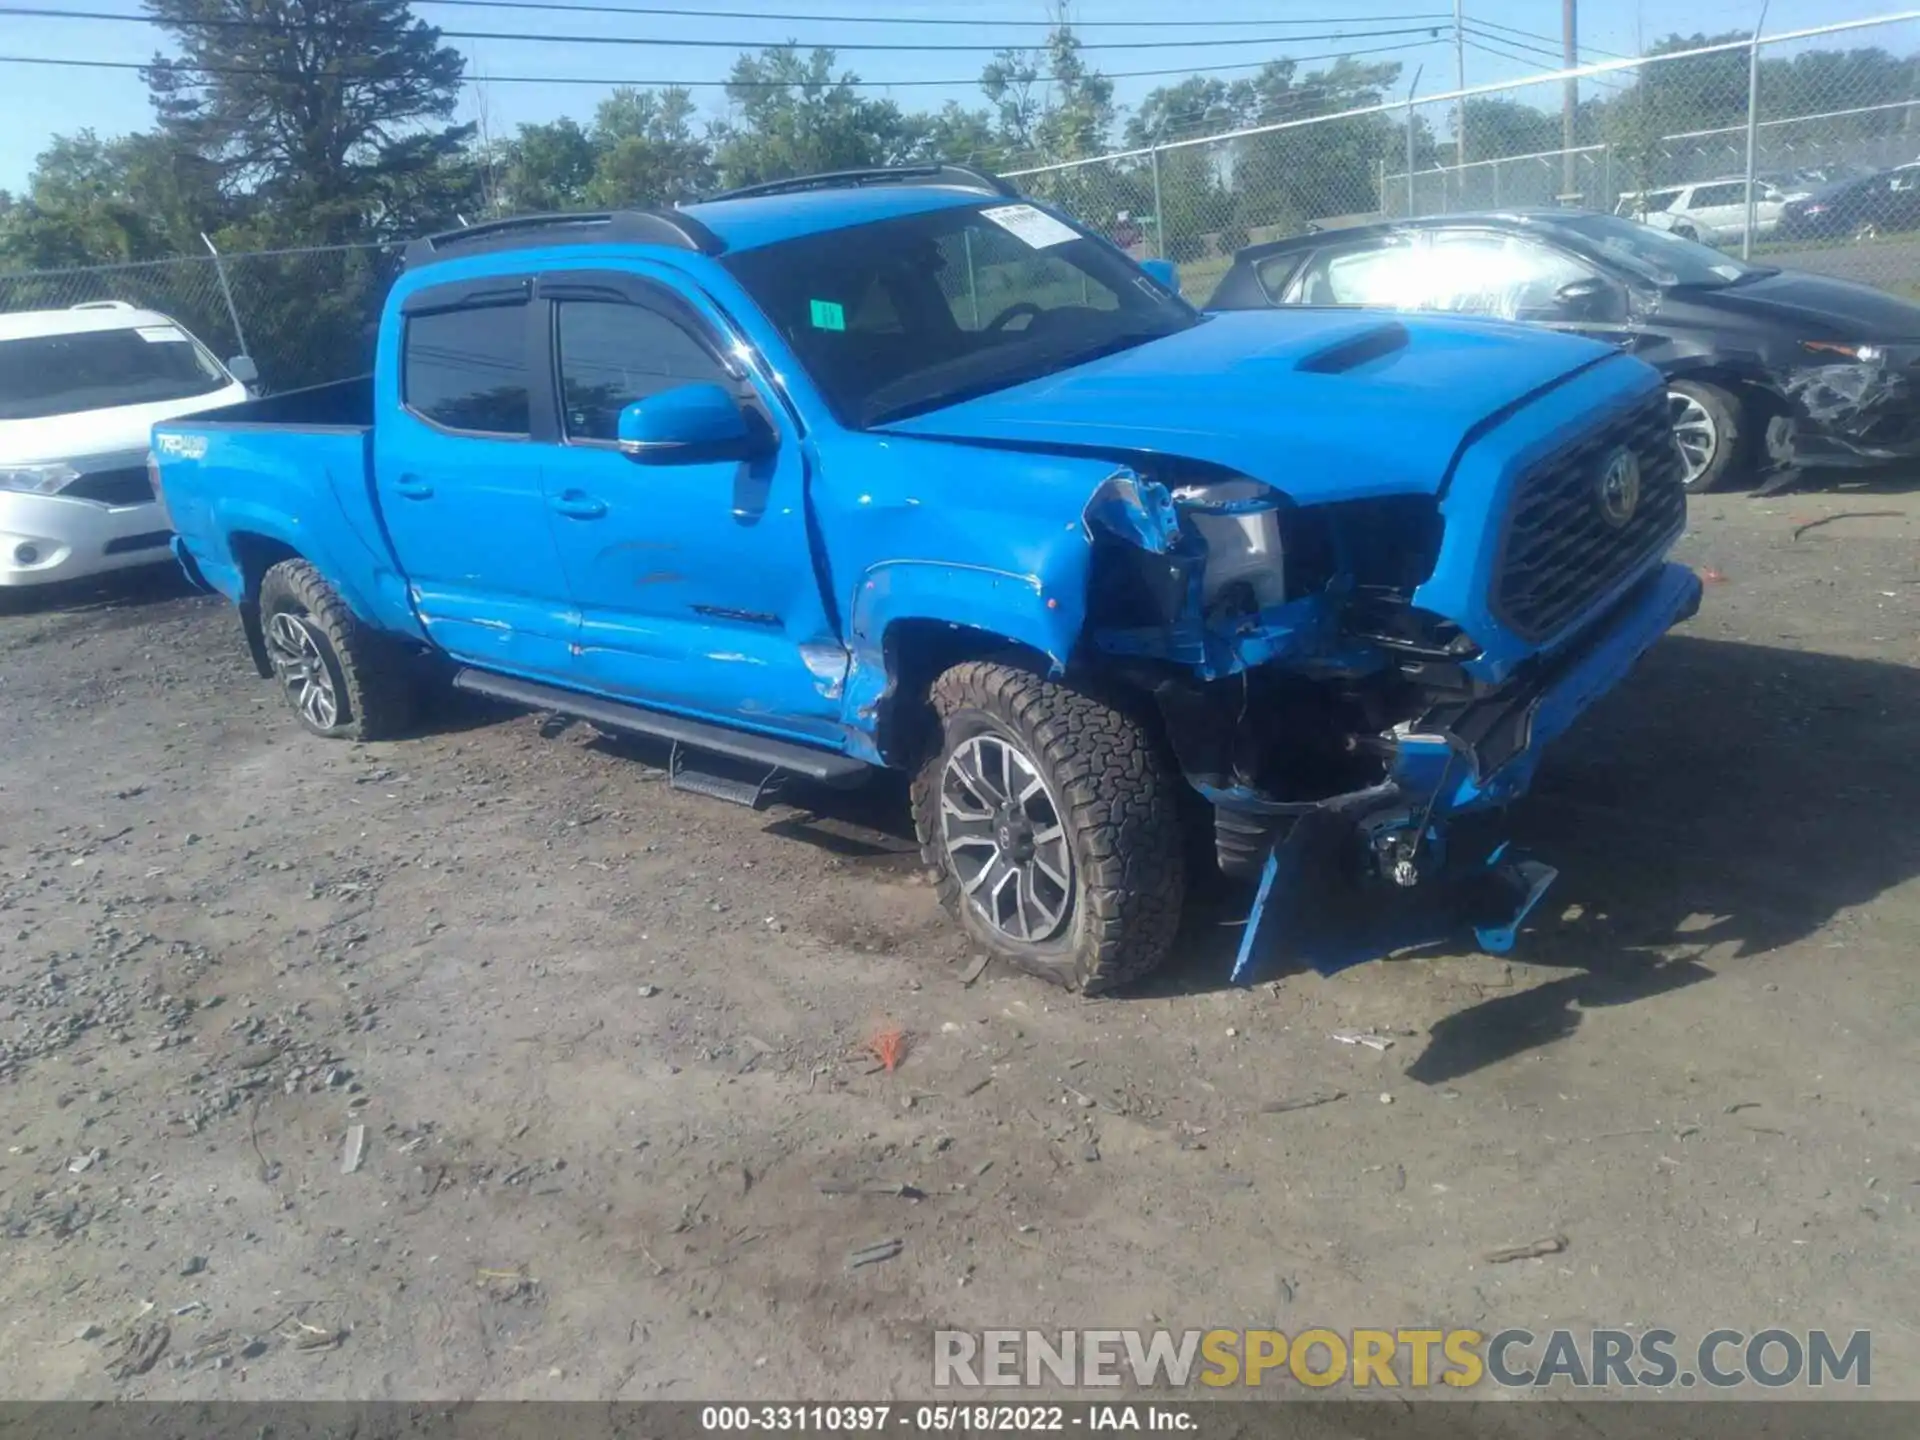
<point>1049,104</point>
<point>796,115</point>
<point>955,133</point>
<point>1501,129</point>
<point>546,167</point>
<point>648,151</point>
<point>1286,178</point>
<point>329,114</point>
<point>91,201</point>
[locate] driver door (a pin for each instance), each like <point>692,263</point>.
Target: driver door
<point>694,581</point>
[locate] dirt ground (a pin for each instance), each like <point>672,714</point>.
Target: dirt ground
<point>598,1044</point>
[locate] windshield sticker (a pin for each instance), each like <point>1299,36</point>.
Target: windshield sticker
<point>162,334</point>
<point>829,315</point>
<point>1037,228</point>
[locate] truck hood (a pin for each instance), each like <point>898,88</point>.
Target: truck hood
<point>1321,404</point>
<point>89,433</point>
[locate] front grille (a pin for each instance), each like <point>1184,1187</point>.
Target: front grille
<point>1562,552</point>
<point>127,486</point>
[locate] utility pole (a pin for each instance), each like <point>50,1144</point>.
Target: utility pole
<point>1460,83</point>
<point>1569,96</point>
<point>1753,127</point>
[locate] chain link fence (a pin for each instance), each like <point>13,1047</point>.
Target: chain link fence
<point>1822,125</point>
<point>1820,121</point>
<point>304,316</point>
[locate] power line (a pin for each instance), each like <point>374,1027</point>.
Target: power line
<point>1485,39</point>
<point>628,81</point>
<point>912,20</point>
<point>1296,100</point>
<point>701,43</point>
<point>1484,23</point>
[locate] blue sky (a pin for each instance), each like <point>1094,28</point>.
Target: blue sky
<point>37,102</point>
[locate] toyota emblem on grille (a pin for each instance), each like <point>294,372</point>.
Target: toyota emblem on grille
<point>1619,494</point>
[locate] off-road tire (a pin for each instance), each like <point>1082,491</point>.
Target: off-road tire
<point>1730,423</point>
<point>374,683</point>
<point>1119,803</point>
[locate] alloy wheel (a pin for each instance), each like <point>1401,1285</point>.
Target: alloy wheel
<point>302,669</point>
<point>1695,432</point>
<point>1006,842</point>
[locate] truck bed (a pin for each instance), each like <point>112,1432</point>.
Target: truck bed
<point>338,404</point>
<point>286,475</point>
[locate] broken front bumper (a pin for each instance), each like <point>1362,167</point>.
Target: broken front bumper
<point>1367,873</point>
<point>1852,414</point>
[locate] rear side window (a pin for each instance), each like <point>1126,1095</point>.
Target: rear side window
<point>467,369</point>
<point>613,355</point>
<point>1727,194</point>
<point>1276,273</point>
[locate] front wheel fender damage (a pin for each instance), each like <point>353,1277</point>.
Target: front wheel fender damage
<point>1148,583</point>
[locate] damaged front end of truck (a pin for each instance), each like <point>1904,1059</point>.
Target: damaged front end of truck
<point>1325,685</point>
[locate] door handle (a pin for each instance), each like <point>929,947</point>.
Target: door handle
<point>414,488</point>
<point>579,505</point>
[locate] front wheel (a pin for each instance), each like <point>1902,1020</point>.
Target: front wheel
<point>342,679</point>
<point>1052,824</point>
<point>1708,428</point>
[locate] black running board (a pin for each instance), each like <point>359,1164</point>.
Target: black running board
<point>695,734</point>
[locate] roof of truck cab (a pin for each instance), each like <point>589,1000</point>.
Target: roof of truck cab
<point>753,221</point>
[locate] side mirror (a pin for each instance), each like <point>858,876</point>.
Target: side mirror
<point>685,425</point>
<point>242,368</point>
<point>1589,299</point>
<point>1163,271</point>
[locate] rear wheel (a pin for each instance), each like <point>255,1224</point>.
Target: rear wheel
<point>1708,427</point>
<point>1053,825</point>
<point>341,679</point>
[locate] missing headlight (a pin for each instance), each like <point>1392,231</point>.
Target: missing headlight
<point>1239,521</point>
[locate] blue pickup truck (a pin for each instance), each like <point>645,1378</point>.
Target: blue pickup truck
<point>897,468</point>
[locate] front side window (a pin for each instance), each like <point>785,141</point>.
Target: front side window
<point>1659,256</point>
<point>43,375</point>
<point>467,369</point>
<point>906,315</point>
<point>1504,276</point>
<point>613,355</point>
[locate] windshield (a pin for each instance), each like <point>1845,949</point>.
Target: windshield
<point>45,375</point>
<point>911,314</point>
<point>1656,255</point>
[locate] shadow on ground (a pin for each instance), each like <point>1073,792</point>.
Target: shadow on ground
<point>124,593</point>
<point>1728,797</point>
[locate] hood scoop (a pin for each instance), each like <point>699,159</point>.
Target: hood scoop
<point>1357,348</point>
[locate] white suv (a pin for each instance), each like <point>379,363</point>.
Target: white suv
<point>79,391</point>
<point>1711,211</point>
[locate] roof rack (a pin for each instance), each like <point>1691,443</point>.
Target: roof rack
<point>962,175</point>
<point>615,227</point>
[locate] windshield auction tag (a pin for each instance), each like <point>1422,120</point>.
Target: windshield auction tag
<point>162,334</point>
<point>1035,227</point>
<point>828,315</point>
